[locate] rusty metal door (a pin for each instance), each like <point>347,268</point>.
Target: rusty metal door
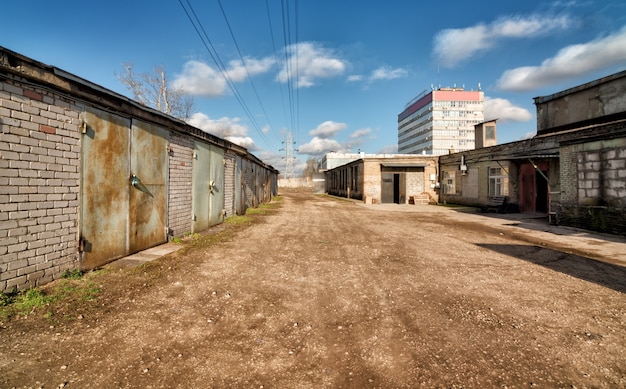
<point>527,188</point>
<point>207,186</point>
<point>148,196</point>
<point>104,188</point>
<point>123,187</point>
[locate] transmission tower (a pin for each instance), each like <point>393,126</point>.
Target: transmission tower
<point>288,155</point>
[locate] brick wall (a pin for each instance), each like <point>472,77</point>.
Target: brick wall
<point>568,175</point>
<point>39,185</point>
<point>180,178</point>
<point>229,183</point>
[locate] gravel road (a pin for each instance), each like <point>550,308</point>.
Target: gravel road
<point>324,293</point>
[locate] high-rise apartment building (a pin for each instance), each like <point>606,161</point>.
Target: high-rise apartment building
<point>440,121</point>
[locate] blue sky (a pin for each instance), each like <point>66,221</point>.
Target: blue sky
<point>335,73</point>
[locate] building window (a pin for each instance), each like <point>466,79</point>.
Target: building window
<point>490,132</point>
<point>449,184</point>
<point>498,182</point>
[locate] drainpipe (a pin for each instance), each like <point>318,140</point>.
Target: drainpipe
<point>551,214</point>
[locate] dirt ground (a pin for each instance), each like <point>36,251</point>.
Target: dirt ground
<point>326,293</point>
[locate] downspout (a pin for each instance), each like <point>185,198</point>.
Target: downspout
<point>551,214</point>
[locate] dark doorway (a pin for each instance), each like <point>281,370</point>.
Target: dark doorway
<point>396,188</point>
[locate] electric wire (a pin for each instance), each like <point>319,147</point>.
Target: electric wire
<point>220,65</point>
<point>269,19</point>
<point>297,76</point>
<point>288,51</point>
<point>243,62</point>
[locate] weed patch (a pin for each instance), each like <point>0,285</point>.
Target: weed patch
<point>66,294</point>
<point>238,220</point>
<point>75,274</point>
<point>24,302</point>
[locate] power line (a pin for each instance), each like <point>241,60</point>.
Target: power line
<point>256,93</point>
<point>297,76</point>
<point>269,19</point>
<point>287,43</point>
<point>220,65</point>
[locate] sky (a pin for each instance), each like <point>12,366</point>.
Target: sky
<point>334,74</point>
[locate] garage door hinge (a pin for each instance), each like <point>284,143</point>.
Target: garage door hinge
<point>83,128</point>
<point>195,155</point>
<point>194,218</point>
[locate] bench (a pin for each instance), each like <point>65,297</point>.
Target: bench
<point>495,204</point>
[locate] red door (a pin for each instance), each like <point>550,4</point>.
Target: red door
<point>527,194</point>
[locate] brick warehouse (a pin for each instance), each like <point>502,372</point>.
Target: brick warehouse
<point>88,176</point>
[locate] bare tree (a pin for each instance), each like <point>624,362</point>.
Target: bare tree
<point>311,168</point>
<point>156,91</point>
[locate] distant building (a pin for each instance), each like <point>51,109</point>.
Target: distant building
<point>440,121</point>
<point>384,178</point>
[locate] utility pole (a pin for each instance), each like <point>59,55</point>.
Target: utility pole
<point>288,155</point>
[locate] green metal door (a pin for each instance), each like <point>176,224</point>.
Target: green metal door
<point>216,211</point>
<point>207,186</point>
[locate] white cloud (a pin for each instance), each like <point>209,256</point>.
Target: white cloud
<point>571,61</point>
<point>243,141</point>
<point>390,149</point>
<point>355,78</point>
<point>309,62</point>
<point>274,159</point>
<point>504,110</point>
<point>361,133</point>
<point>387,73</point>
<point>452,46</point>
<point>319,146</point>
<point>519,27</point>
<point>225,128</point>
<point>200,79</point>
<point>328,129</point>
<point>237,71</point>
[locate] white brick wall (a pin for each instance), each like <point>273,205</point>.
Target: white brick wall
<point>39,186</point>
<point>181,174</point>
<point>229,183</point>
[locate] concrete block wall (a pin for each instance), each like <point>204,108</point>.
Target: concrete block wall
<point>180,178</point>
<point>593,184</point>
<point>39,185</point>
<point>602,177</point>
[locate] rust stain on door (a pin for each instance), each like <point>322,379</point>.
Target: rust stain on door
<point>148,195</point>
<point>104,188</point>
<point>123,187</point>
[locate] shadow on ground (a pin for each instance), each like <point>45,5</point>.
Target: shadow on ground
<point>600,273</point>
